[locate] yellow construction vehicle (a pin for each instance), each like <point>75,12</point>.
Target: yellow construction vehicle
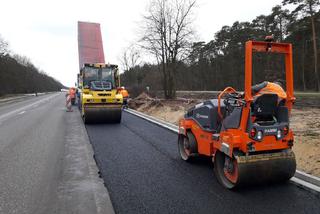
<point>100,100</point>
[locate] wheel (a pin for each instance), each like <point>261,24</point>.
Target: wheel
<point>84,119</point>
<point>83,115</point>
<point>226,170</point>
<point>187,146</point>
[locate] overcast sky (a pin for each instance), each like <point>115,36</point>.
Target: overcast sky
<point>46,31</point>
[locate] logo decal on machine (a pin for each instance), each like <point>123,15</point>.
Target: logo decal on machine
<point>202,116</point>
<point>270,130</point>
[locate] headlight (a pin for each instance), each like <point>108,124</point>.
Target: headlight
<point>279,134</point>
<point>259,135</point>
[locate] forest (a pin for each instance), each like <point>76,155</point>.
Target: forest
<point>18,75</point>
<point>219,63</point>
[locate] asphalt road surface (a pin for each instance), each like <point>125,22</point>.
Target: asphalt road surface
<point>45,161</point>
<point>31,148</point>
<point>143,172</point>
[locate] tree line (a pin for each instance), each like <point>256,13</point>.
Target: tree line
<point>219,63</point>
<point>19,75</point>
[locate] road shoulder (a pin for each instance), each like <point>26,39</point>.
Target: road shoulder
<point>80,190</point>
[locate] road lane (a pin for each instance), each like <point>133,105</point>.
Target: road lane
<point>31,148</point>
<point>143,172</point>
<point>6,107</point>
<point>46,165</point>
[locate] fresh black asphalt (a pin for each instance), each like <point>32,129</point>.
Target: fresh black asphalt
<point>143,172</point>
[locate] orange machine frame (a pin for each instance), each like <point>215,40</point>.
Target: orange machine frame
<point>282,48</point>
<point>239,138</point>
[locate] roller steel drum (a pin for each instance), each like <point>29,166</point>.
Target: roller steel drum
<point>102,115</point>
<point>255,169</point>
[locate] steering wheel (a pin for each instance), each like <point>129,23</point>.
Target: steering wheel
<point>232,99</point>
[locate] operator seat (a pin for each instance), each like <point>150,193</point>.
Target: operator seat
<point>265,107</point>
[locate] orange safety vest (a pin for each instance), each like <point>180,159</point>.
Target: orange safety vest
<point>124,93</point>
<point>273,88</point>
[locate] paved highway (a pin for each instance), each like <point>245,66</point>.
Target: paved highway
<point>143,172</point>
<point>45,160</point>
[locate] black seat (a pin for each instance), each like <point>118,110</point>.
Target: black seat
<point>265,106</point>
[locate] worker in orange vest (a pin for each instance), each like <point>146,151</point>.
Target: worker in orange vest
<point>125,95</point>
<point>70,99</point>
<point>72,92</point>
<point>269,88</point>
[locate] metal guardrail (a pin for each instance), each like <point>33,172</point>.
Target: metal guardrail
<point>302,179</point>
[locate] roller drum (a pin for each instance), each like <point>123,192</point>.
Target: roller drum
<point>102,115</point>
<point>277,167</point>
<point>254,169</point>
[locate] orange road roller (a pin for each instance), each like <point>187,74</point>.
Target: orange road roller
<point>248,138</point>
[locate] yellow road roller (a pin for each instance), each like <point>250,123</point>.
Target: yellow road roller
<point>100,100</point>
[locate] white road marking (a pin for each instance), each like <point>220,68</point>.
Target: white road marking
<point>305,184</point>
<point>21,112</point>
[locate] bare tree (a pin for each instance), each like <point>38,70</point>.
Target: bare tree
<point>130,57</point>
<point>4,47</point>
<point>23,60</point>
<point>167,35</point>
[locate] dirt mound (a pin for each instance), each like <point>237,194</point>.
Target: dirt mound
<point>143,96</point>
<point>144,101</point>
<point>154,104</point>
<point>140,100</point>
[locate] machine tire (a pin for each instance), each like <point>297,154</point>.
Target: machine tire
<point>83,115</point>
<point>84,119</point>
<point>187,146</point>
<point>219,167</point>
